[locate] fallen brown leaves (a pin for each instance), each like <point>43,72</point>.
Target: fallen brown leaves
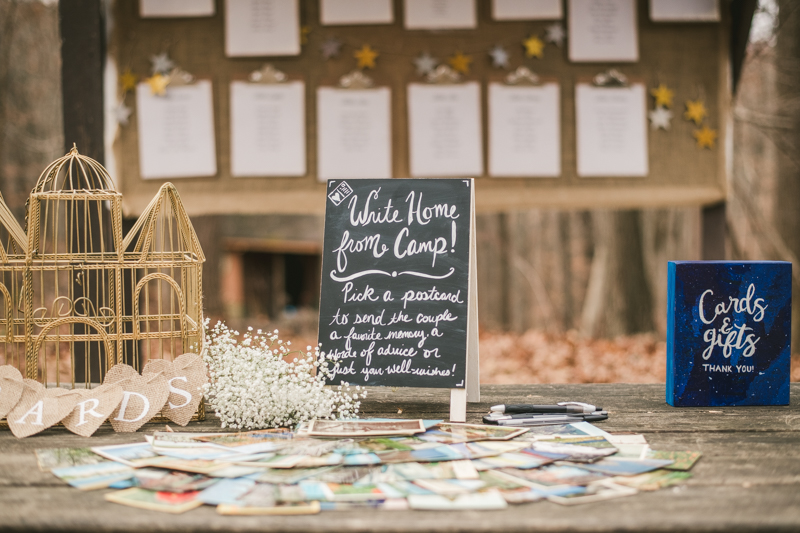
<point>538,357</point>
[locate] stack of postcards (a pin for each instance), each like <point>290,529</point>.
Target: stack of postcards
<point>383,464</point>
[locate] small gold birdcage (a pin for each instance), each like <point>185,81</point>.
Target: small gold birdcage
<point>76,297</point>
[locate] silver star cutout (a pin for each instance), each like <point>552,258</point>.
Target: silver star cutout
<point>425,63</point>
<point>121,113</point>
<point>499,57</point>
<point>556,34</point>
<point>330,48</point>
<point>162,64</point>
<point>660,118</point>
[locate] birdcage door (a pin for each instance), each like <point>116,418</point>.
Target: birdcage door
<point>159,319</point>
<point>61,341</point>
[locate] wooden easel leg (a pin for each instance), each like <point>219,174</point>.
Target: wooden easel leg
<point>458,405</point>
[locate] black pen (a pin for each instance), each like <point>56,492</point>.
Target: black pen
<point>551,420</point>
<point>561,407</point>
<point>498,416</point>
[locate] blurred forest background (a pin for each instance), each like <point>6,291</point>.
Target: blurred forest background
<point>566,296</point>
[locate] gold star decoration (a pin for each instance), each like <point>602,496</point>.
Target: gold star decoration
<point>128,81</point>
<point>304,31</point>
<point>158,84</point>
<point>663,95</point>
<point>705,137</point>
<point>460,62</point>
<point>366,57</point>
<point>695,111</point>
<point>534,47</point>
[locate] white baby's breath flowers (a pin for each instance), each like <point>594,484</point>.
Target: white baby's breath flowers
<point>252,385</point>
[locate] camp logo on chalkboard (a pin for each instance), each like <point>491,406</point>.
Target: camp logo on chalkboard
<point>395,281</point>
<point>728,333</point>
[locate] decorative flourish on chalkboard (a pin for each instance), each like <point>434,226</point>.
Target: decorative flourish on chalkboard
<point>390,274</point>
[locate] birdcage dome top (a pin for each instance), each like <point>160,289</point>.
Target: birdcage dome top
<point>74,173</point>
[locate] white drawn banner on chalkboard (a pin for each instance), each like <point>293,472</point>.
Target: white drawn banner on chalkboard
<point>395,303</point>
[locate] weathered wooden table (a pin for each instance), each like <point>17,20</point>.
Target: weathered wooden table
<point>747,480</point>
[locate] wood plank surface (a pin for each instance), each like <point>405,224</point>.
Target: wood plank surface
<point>747,480</point>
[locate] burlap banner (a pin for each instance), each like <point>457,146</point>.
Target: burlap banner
<point>126,399</point>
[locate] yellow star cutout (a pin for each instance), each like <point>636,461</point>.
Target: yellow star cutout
<point>128,81</point>
<point>460,63</point>
<point>304,31</point>
<point>534,47</point>
<point>705,137</point>
<point>158,84</point>
<point>695,110</point>
<point>366,57</point>
<point>663,95</point>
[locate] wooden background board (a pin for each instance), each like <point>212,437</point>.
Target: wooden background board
<point>691,58</point>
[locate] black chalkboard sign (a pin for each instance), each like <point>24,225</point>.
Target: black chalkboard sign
<point>397,307</point>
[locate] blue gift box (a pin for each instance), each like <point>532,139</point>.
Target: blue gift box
<point>728,333</point>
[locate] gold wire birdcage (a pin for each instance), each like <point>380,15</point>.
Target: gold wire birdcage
<point>78,298</point>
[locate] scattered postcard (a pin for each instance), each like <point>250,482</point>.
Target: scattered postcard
<point>614,466</point>
<point>355,493</point>
<point>279,461</point>
<point>549,476</point>
<point>626,438</point>
<point>226,491</point>
<point>361,459</point>
<point>166,502</point>
<point>655,480</point>
<point>579,449</point>
<point>523,461</point>
<point>456,433</point>
<point>291,476</point>
<point>682,460</point>
<point>403,488</point>
<point>199,452</point>
<point>233,471</point>
<point>603,490</point>
<point>265,440</point>
<point>363,428</point>
<point>479,501</point>
<point>387,444</point>
<point>128,454</point>
<point>94,476</point>
<point>196,466</point>
<point>345,474</point>
<point>385,505</point>
<point>464,469</point>
<point>305,491</point>
<point>299,508</point>
<point>499,480</point>
<point>450,487</point>
<point>632,451</point>
<point>160,480</point>
<point>578,429</point>
<point>173,439</point>
<point>50,458</point>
